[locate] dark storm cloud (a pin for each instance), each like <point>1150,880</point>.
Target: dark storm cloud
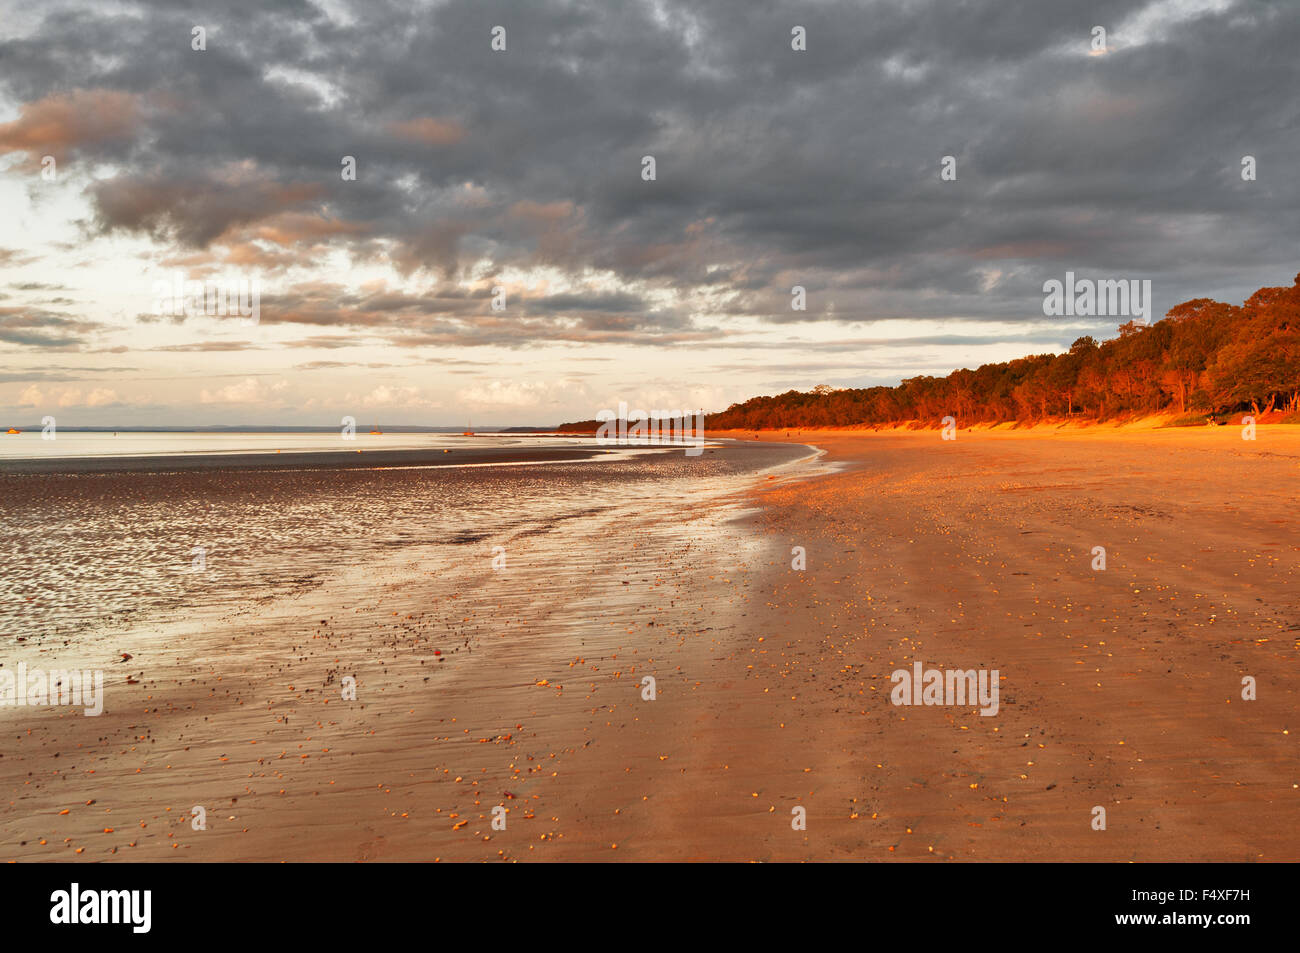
<point>774,167</point>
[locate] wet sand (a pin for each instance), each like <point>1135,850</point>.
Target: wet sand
<point>100,549</point>
<point>473,681</point>
<point>481,688</point>
<point>353,459</point>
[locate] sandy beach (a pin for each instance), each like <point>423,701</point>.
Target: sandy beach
<point>479,689</point>
<point>1120,688</point>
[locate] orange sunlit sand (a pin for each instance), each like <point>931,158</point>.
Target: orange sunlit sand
<point>1119,688</point>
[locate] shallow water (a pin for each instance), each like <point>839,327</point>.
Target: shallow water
<point>87,550</point>
<point>31,445</point>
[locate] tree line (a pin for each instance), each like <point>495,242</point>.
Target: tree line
<point>1205,359</point>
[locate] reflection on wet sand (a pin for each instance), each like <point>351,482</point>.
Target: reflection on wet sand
<point>488,621</point>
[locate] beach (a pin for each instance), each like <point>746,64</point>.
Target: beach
<point>461,601</point>
<point>522,689</point>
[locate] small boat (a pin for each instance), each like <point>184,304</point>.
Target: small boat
<point>12,430</point>
<point>375,430</point>
<point>470,431</point>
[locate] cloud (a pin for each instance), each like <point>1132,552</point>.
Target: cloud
<point>62,123</point>
<point>101,396</point>
<point>199,209</point>
<point>248,391</point>
<point>386,396</point>
<point>429,131</point>
<point>518,394</point>
<point>208,347</point>
<point>37,329</point>
<point>33,396</point>
<point>774,167</point>
<point>457,316</point>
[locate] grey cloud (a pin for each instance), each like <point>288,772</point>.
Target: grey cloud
<point>43,330</point>
<point>774,167</point>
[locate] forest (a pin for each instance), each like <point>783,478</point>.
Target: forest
<point>1203,361</point>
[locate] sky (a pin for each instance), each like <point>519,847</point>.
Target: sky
<point>501,255</point>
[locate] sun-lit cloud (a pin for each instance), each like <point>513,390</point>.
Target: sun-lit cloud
<point>248,391</point>
<point>427,130</point>
<point>64,122</point>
